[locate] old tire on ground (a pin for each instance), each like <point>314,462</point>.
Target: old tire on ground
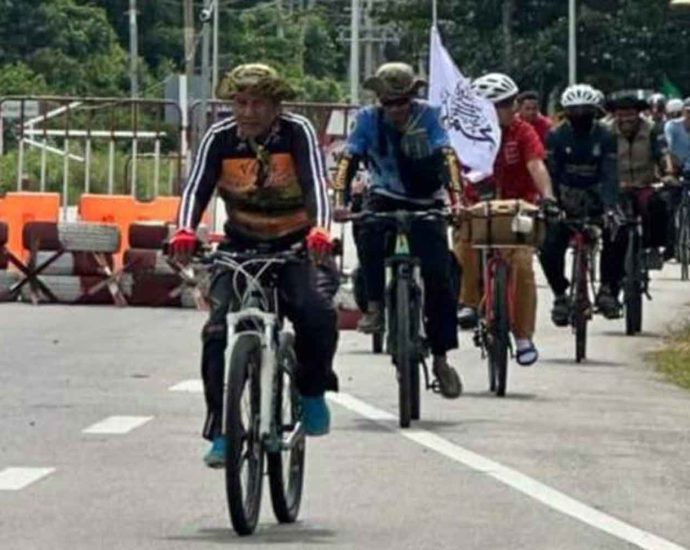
<point>71,289</point>
<point>7,279</point>
<point>72,263</point>
<point>141,260</point>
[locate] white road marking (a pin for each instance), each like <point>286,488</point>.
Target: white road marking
<point>189,386</point>
<point>15,479</point>
<point>526,485</point>
<point>117,425</point>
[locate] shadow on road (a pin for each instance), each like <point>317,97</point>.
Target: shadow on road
<point>585,363</point>
<point>640,335</point>
<point>297,533</point>
<point>508,396</point>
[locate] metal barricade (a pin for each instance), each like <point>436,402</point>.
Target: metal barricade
<point>118,145</point>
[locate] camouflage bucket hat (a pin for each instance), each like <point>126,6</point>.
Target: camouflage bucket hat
<point>255,78</point>
<point>394,80</point>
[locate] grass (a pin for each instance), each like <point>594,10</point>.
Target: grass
<point>673,361</point>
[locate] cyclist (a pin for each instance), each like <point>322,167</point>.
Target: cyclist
<point>528,109</point>
<point>519,173</point>
<point>674,111</point>
<point>267,168</point>
<point>582,160</point>
<point>408,154</point>
<point>642,161</point>
<point>678,137</point>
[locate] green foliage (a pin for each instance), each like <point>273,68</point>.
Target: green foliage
<point>18,78</point>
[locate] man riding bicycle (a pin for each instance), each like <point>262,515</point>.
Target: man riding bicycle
<point>410,161</point>
<point>582,161</point>
<point>642,161</point>
<point>267,168</point>
<point>519,173</point>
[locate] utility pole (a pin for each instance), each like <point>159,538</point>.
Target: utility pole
<point>507,22</point>
<point>205,65</point>
<point>189,40</point>
<point>133,50</point>
<point>279,10</point>
<point>572,42</point>
<point>369,33</point>
<point>216,24</point>
<point>354,51</point>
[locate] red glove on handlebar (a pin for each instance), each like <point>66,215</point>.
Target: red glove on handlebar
<point>183,244</point>
<point>319,242</point>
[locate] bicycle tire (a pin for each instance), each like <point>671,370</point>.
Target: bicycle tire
<point>244,504</point>
<point>633,289</point>
<point>580,270</point>
<point>377,342</point>
<point>683,242</point>
<point>500,328</point>
<point>286,484</point>
<point>403,351</point>
<point>415,404</point>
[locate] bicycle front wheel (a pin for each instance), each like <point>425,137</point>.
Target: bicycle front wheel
<point>582,305</point>
<point>499,331</point>
<point>633,288</point>
<point>403,351</point>
<point>286,465</point>
<point>244,461</point>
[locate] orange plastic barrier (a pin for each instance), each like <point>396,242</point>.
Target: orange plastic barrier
<point>18,208</point>
<point>123,210</point>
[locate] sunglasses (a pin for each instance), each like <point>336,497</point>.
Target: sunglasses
<point>397,102</point>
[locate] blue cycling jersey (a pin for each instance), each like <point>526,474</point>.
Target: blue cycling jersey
<point>380,144</point>
<point>678,138</point>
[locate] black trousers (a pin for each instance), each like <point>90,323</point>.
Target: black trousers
<point>654,211</point>
<point>552,256</point>
<point>305,297</point>
<point>429,243</point>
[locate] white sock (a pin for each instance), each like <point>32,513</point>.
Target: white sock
<point>523,343</point>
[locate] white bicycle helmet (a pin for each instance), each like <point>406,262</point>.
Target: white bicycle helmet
<point>580,95</point>
<point>495,87</point>
<point>674,106</point>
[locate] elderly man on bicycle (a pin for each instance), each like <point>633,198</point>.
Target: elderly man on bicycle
<point>407,152</point>
<point>519,173</point>
<point>267,168</point>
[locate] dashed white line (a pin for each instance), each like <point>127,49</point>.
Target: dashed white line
<point>15,479</point>
<point>526,485</point>
<point>188,386</point>
<point>117,425</point>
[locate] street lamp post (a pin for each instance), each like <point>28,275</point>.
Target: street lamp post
<point>572,42</point>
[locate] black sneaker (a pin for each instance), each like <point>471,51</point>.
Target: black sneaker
<point>449,382</point>
<point>608,304</point>
<point>467,318</point>
<point>560,314</point>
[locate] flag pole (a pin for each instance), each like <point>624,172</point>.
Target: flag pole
<point>434,13</point>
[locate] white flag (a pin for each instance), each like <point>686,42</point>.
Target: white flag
<point>471,121</point>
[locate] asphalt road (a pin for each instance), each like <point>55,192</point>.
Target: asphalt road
<point>575,457</point>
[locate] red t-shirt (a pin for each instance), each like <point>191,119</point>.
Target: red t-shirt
<point>519,145</point>
<point>542,124</point>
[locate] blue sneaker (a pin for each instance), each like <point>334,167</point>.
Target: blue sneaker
<point>316,418</point>
<point>215,457</point>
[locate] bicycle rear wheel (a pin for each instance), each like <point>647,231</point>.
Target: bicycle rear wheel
<point>286,466</point>
<point>404,352</point>
<point>244,463</point>
<point>499,330</point>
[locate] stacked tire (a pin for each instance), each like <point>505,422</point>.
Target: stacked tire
<point>154,282</point>
<point>75,277</point>
<point>7,278</point>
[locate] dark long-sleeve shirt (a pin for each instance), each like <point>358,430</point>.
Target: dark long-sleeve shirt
<point>271,189</point>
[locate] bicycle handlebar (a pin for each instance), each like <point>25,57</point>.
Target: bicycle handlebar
<point>399,216</point>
